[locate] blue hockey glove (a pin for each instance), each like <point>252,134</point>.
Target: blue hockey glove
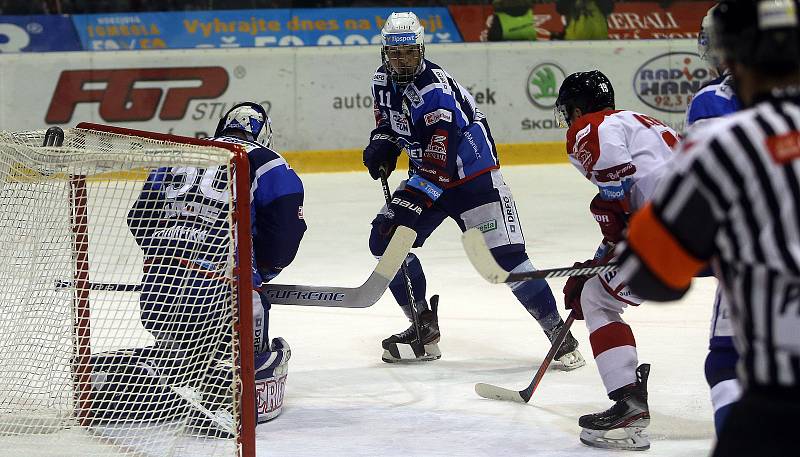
<point>382,152</point>
<point>405,209</point>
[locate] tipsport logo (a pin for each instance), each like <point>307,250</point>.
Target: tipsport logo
<point>401,38</point>
<point>668,81</point>
<point>543,83</point>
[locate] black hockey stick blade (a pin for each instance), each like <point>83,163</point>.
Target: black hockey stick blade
<point>481,258</point>
<point>493,392</point>
<point>362,296</point>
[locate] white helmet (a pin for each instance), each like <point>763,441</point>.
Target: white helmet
<point>705,44</point>
<point>248,117</point>
<point>402,47</point>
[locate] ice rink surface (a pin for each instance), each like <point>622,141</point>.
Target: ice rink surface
<point>341,400</point>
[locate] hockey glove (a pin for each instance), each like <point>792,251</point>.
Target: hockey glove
<point>405,209</point>
<point>611,217</point>
<point>573,288</point>
<point>381,152</point>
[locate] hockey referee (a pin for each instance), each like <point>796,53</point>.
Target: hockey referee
<point>733,200</point>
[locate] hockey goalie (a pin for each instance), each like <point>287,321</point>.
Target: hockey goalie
<point>179,221</point>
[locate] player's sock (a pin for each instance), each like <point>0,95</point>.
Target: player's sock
<point>614,349</point>
<point>418,284</point>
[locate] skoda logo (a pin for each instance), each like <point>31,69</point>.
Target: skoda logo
<point>543,83</point>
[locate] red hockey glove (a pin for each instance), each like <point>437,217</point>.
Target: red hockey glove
<point>573,288</point>
<point>610,216</point>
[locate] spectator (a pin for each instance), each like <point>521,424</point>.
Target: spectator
<point>585,19</point>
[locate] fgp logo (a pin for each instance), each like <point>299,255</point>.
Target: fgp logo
<point>668,81</point>
<point>543,83</point>
<point>121,101</point>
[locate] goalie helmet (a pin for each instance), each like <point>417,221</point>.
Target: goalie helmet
<point>706,49</point>
<point>402,47</point>
<point>250,118</point>
<point>589,91</point>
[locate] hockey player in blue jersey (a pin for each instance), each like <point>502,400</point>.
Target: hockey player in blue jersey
<point>454,173</point>
<point>180,221</point>
<point>716,99</point>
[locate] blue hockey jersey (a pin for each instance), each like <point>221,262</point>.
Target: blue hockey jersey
<point>716,98</point>
<point>182,212</point>
<point>436,120</point>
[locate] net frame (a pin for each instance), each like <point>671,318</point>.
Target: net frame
<point>242,271</point>
<point>244,403</point>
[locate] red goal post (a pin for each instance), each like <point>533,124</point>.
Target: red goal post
<point>52,216</point>
<point>243,270</point>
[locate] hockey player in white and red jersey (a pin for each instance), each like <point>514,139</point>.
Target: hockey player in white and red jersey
<point>454,173</point>
<point>624,154</point>
<point>715,99</point>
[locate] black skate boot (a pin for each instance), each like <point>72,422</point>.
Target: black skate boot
<point>404,347</point>
<point>568,356</point>
<point>622,425</point>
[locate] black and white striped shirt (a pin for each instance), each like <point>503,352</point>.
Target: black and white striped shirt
<point>733,199</point>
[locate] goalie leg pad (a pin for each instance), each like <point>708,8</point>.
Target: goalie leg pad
<point>272,369</point>
<point>128,384</point>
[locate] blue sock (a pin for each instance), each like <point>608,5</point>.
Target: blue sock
<point>418,283</point>
<point>538,300</point>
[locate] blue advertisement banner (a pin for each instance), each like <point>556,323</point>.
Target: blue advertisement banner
<point>38,33</point>
<point>251,28</point>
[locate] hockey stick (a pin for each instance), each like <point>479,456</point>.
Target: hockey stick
<point>523,396</point>
<point>409,290</point>
<point>483,261</point>
<point>191,396</point>
<point>362,296</point>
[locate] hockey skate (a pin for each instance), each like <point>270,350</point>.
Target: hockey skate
<point>568,356</point>
<point>621,426</point>
<point>404,347</point>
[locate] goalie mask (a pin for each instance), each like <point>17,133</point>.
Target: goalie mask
<point>402,47</point>
<point>250,118</point>
<point>705,45</point>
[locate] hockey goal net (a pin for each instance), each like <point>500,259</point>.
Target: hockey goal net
<point>120,323</point>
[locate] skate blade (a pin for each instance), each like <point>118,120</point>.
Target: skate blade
<point>571,361</point>
<point>627,439</point>
<point>404,353</point>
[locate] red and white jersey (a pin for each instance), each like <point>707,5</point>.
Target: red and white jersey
<point>623,153</point>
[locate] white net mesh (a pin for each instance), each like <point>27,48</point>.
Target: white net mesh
<point>117,299</point>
